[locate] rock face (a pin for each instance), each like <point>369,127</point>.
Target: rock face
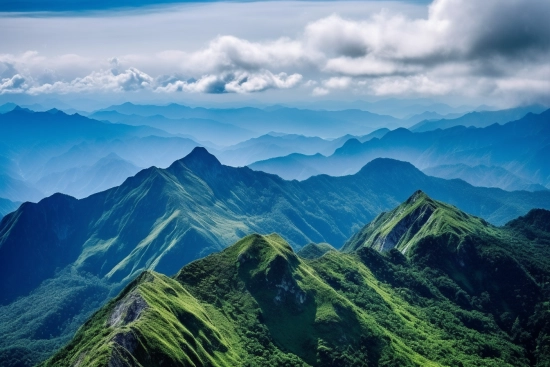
<point>396,229</point>
<point>127,310</point>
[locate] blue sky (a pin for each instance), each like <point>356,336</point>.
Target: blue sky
<point>462,51</point>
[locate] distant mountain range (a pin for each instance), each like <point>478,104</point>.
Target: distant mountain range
<point>284,119</point>
<point>162,219</point>
<point>83,181</point>
<point>478,118</point>
<point>520,147</point>
<point>274,145</point>
<point>422,285</point>
<point>483,176</point>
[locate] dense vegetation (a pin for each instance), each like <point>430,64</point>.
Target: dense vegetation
<point>464,293</point>
<point>163,219</point>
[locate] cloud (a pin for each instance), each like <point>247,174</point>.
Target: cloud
<point>110,80</point>
<point>318,91</point>
<point>15,84</point>
<point>494,48</point>
<point>234,83</point>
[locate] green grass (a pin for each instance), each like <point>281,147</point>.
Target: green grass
<point>257,303</point>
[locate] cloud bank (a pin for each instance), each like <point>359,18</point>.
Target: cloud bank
<point>497,48</point>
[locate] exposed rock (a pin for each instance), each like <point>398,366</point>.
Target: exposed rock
<point>127,310</point>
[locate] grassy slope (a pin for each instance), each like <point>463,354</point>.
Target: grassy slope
<point>257,303</point>
<point>314,250</point>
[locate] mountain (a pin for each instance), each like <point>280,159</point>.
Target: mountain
<point>283,119</point>
<point>29,139</point>
<point>478,118</point>
<point>162,219</point>
<point>7,206</point>
<point>203,129</point>
<point>521,147</point>
<point>274,145</point>
<point>7,107</point>
<point>427,117</point>
<point>18,190</point>
<point>465,293</point>
<point>109,171</point>
<point>483,176</point>
<point>314,250</point>
<point>140,151</point>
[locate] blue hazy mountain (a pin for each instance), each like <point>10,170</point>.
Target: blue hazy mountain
<point>521,147</point>
<point>286,120</point>
<point>161,219</point>
<point>276,144</point>
<point>64,150</point>
<point>483,176</point>
<point>30,138</point>
<point>7,107</point>
<point>478,119</point>
<point>107,172</point>
<point>200,129</point>
<point>18,190</point>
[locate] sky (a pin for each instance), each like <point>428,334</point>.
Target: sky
<point>491,52</point>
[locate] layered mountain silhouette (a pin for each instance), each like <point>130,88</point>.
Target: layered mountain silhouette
<point>477,118</point>
<point>520,147</point>
<point>483,176</point>
<point>262,121</point>
<point>424,284</point>
<point>107,172</point>
<point>274,145</point>
<point>45,152</point>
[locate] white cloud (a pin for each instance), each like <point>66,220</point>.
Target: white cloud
<point>110,80</point>
<point>493,48</point>
<point>15,84</point>
<point>242,82</point>
<point>318,91</point>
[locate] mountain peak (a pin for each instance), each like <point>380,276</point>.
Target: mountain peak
<point>201,155</point>
<point>199,160</point>
<point>418,195</point>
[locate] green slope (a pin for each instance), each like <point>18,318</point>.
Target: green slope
<point>465,294</point>
<point>314,250</point>
<point>162,219</point>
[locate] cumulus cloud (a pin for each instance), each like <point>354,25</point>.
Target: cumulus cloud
<point>15,84</point>
<point>111,80</point>
<point>494,48</point>
<point>234,83</point>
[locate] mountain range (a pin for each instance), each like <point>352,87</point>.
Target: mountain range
<point>161,219</point>
<point>322,123</point>
<point>520,147</point>
<point>274,145</point>
<point>483,176</point>
<point>424,284</point>
<point>478,118</point>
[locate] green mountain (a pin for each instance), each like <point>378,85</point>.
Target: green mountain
<point>465,293</point>
<point>61,250</point>
<point>314,250</point>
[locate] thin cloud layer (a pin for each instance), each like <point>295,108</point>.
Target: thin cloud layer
<point>495,48</point>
